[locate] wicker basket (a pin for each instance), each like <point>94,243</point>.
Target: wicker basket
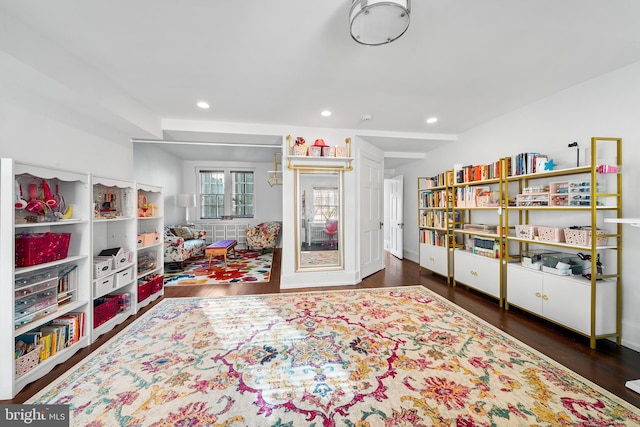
<point>28,361</point>
<point>582,236</point>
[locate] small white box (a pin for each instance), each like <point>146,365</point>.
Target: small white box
<point>124,277</point>
<point>103,286</point>
<point>121,259</point>
<point>101,267</point>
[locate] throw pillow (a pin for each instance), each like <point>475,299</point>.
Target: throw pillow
<point>183,232</point>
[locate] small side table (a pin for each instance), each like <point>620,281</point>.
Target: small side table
<point>221,247</point>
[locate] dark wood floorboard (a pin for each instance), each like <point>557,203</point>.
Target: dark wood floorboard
<point>610,366</point>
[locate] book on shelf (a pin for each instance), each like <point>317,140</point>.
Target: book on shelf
<point>433,199</point>
<point>58,339</point>
<point>67,284</point>
<point>74,321</point>
<point>476,173</point>
<point>525,163</point>
<point>486,247</point>
<point>433,237</point>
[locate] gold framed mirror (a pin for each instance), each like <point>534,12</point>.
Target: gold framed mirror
<point>318,216</point>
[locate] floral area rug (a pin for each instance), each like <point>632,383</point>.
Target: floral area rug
<point>379,357</point>
<point>249,266</point>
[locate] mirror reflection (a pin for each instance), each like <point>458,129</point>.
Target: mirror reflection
<point>318,215</point>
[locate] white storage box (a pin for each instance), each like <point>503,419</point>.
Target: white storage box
<point>121,259</point>
<point>123,277</point>
<point>532,199</point>
<point>101,267</point>
<point>103,286</point>
<point>118,260</point>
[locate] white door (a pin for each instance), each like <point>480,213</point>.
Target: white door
<point>371,216</point>
<point>395,216</point>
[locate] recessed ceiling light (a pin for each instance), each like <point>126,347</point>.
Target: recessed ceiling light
<point>325,113</point>
<point>203,105</point>
<point>432,120</point>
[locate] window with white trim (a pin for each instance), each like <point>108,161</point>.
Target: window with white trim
<point>325,203</point>
<point>226,193</point>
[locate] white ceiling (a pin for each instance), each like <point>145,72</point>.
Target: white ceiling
<point>283,61</point>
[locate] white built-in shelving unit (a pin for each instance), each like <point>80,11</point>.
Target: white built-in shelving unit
<point>26,303</point>
<point>150,251</point>
<point>94,214</point>
<point>114,227</point>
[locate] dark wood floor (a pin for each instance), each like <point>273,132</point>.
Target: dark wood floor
<point>609,365</point>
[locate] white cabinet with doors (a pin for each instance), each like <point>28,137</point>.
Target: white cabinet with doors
<point>481,273</point>
<point>436,259</point>
<point>563,299</point>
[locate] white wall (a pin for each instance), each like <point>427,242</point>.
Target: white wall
<point>34,138</point>
<point>268,200</point>
<point>605,106</point>
<point>154,166</point>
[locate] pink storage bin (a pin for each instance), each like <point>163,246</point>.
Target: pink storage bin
<point>40,248</point>
<point>582,236</point>
<point>551,234</point>
<point>524,231</point>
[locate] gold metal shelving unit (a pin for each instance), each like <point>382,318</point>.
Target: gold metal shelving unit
<point>596,213</point>
<point>439,221</point>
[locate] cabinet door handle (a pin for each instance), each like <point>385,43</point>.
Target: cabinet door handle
<point>545,297</point>
<point>432,259</point>
<point>538,294</point>
<point>474,273</point>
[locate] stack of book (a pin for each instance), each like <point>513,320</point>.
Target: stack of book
<point>53,337</point>
<point>473,173</point>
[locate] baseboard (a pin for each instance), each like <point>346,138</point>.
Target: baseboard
<point>412,256</point>
<point>315,279</point>
<point>631,329</point>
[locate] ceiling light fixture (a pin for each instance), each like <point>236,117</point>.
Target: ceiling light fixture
<point>432,120</point>
<point>203,105</point>
<point>325,113</point>
<point>376,22</point>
